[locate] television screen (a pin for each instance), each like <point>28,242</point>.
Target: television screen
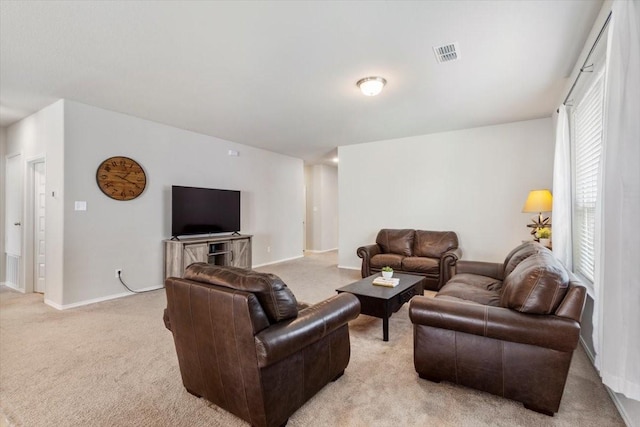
<point>204,210</point>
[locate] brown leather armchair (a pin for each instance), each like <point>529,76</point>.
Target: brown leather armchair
<point>432,254</point>
<point>244,344</point>
<point>509,329</point>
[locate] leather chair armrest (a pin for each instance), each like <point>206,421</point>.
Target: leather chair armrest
<point>312,324</point>
<point>549,331</point>
<point>366,253</point>
<point>490,269</point>
<point>167,321</point>
<point>448,261</point>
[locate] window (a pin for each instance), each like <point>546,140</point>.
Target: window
<point>586,136</point>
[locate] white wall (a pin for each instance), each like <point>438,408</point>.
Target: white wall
<point>308,218</point>
<point>38,136</point>
<point>472,181</point>
<point>115,234</point>
<point>322,207</point>
<point>3,152</point>
<point>329,214</point>
<point>84,248</point>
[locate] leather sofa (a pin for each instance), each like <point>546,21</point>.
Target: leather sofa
<point>245,344</point>
<point>506,328</point>
<point>431,254</point>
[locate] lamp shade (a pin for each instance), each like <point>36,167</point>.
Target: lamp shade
<point>538,201</point>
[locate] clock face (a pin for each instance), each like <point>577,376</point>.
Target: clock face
<point>121,178</point>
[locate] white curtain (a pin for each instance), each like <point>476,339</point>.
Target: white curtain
<point>562,247</point>
<point>618,267</point>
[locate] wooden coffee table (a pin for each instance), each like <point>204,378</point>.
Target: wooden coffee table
<point>382,302</point>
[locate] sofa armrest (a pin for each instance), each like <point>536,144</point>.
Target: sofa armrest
<point>448,261</point>
<point>366,253</point>
<point>490,269</point>
<point>549,331</point>
<point>167,321</point>
<point>312,324</point>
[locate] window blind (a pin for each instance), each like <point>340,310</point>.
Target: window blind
<point>587,119</point>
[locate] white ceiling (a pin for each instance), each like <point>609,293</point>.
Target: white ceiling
<point>281,75</point>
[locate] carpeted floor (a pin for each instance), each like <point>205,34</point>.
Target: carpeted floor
<point>114,364</point>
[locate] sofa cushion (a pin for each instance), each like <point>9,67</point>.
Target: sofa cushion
<point>472,288</point>
<point>434,243</point>
<point>536,285</point>
<point>520,253</point>
<point>382,260</point>
<point>276,298</point>
<point>477,281</point>
<point>421,265</point>
<point>398,242</point>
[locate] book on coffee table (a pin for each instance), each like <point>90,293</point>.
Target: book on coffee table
<point>390,283</point>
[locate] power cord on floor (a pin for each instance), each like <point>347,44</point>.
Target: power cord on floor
<point>131,290</point>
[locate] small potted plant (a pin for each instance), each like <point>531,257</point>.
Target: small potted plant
<point>544,236</point>
<point>387,272</point>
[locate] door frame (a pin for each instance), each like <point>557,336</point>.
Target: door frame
<point>39,202</point>
<point>28,238</point>
<point>19,285</point>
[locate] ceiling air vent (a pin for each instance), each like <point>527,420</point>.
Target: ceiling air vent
<point>446,53</point>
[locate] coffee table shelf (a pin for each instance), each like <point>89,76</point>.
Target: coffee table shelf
<point>381,301</point>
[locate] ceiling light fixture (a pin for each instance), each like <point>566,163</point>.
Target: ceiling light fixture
<point>371,86</point>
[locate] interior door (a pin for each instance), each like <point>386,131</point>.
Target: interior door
<point>13,222</point>
<point>39,226</point>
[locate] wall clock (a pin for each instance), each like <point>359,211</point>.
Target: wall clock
<point>121,178</point>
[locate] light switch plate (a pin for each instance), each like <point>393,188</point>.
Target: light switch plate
<point>81,205</point>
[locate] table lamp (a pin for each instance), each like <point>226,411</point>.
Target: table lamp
<point>538,201</point>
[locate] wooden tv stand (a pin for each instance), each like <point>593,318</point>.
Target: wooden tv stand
<point>232,250</point>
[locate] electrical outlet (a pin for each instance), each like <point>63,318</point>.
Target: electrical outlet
<point>268,249</point>
<point>118,272</point>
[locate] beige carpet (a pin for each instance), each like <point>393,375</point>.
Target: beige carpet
<point>114,364</point>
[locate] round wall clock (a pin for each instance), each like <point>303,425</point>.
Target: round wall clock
<point>121,178</point>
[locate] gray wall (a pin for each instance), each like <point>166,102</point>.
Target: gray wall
<point>472,181</point>
<point>41,135</point>
<point>90,245</point>
<point>3,151</point>
<point>322,207</point>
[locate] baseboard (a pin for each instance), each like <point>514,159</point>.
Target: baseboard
<point>348,267</point>
<point>313,251</point>
<point>12,286</point>
<point>278,261</point>
<point>96,300</point>
<point>620,407</point>
<point>587,350</point>
<point>614,397</point>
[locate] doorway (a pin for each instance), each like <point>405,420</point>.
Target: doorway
<point>13,222</point>
<point>39,196</point>
<point>25,235</point>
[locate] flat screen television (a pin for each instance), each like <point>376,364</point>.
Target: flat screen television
<point>204,211</point>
